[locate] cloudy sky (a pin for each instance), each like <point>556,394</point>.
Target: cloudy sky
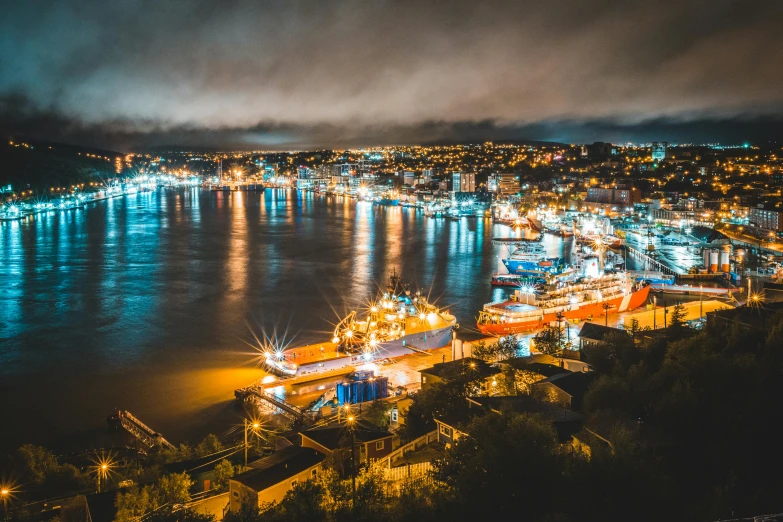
<point>280,74</point>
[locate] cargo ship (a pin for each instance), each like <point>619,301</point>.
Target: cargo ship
<point>531,308</point>
<point>396,322</point>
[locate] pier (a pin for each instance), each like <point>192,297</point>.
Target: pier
<point>126,420</point>
<point>263,398</point>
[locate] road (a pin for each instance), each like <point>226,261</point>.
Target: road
<point>753,241</point>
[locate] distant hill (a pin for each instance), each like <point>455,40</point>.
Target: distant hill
<point>36,165</point>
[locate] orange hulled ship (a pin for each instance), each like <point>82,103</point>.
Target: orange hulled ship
<point>529,309</point>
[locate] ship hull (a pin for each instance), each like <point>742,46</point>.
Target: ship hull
<point>419,341</point>
<point>533,268</point>
<point>596,310</point>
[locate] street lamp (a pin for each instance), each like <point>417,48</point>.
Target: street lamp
<point>255,426</point>
<point>347,408</point>
<point>606,307</point>
<point>103,467</point>
<point>5,494</point>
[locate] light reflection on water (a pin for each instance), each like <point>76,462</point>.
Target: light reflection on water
<point>143,302</point>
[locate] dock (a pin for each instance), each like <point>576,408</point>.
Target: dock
<point>265,400</point>
<point>130,423</point>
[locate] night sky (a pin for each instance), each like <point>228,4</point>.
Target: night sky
<point>330,73</point>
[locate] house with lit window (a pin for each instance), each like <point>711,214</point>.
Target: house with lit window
<point>371,441</point>
<point>565,389</point>
<point>269,479</point>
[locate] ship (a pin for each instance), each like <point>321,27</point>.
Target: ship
<point>396,322</point>
<point>532,308</point>
<point>529,261</point>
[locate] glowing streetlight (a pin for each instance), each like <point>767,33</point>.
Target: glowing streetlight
<point>6,494</point>
<point>255,426</point>
<point>103,467</point>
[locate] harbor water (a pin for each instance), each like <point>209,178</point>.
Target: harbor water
<point>151,302</point>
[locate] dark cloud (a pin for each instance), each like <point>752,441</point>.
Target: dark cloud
<point>271,74</point>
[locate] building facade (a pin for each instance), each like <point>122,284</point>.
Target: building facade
<point>766,219</point>
<point>463,182</point>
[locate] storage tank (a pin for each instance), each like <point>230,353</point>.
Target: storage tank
<point>713,261</point>
<point>705,258</point>
<point>456,349</point>
<point>724,262</point>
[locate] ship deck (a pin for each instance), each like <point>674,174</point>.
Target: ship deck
<point>514,307</point>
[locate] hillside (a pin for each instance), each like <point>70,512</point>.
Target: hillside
<point>40,165</point>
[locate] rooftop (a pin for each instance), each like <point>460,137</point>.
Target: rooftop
<point>596,332</point>
<point>278,467</point>
<point>574,384</point>
<point>528,364</point>
<point>527,404</point>
<point>445,369</point>
<point>329,436</point>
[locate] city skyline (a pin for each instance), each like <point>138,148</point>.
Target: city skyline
<point>314,75</point>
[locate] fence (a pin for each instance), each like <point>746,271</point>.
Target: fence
<point>407,472</point>
<point>399,453</point>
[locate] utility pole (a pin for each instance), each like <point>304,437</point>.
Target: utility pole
<point>665,311</point>
<point>245,421</point>
<point>255,427</point>
<point>655,310</point>
<point>701,310</point>
<point>353,463</point>
<point>559,316</point>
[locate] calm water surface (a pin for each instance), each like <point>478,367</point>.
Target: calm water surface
<point>147,302</point>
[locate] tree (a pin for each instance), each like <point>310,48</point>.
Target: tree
<point>247,513</point>
<point>175,488</point>
<point>551,341</point>
<point>677,316</point>
<point>441,398</point>
<point>35,464</point>
<point>136,502</point>
<point>378,413</point>
<point>211,444</point>
<point>505,348</point>
<point>484,470</point>
<point>224,470</point>
<point>38,466</point>
<point>635,329</point>
<point>305,501</point>
<point>482,350</point>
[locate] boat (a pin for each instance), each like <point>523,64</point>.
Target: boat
<point>529,260</point>
<point>396,322</point>
<point>530,308</point>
